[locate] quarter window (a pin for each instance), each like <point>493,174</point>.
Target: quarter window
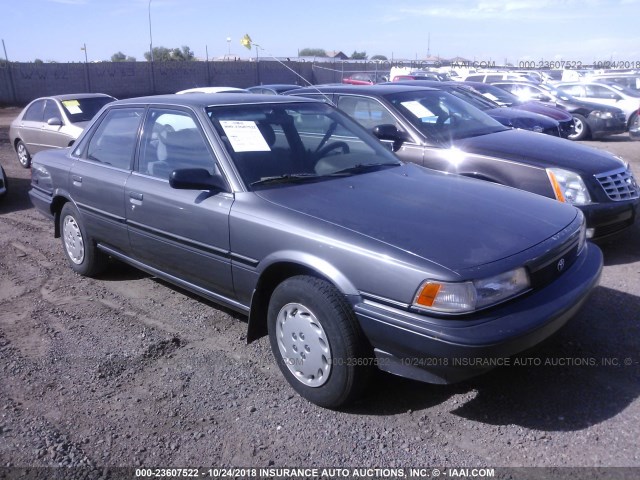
<point>34,113</point>
<point>114,140</point>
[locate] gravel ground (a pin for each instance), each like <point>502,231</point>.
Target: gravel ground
<point>127,371</point>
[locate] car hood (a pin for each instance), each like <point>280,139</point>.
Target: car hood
<point>541,151</point>
<point>512,117</point>
<point>553,112</point>
<point>449,220</point>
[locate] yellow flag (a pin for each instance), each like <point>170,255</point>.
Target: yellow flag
<point>246,41</point>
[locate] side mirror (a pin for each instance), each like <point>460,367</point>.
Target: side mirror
<point>196,179</point>
<point>54,122</point>
<point>390,132</point>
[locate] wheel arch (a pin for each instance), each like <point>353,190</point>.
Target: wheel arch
<point>57,203</point>
<point>278,271</point>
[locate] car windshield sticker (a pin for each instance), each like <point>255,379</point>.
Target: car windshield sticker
<point>418,109</point>
<point>73,106</point>
<point>491,96</point>
<point>244,136</point>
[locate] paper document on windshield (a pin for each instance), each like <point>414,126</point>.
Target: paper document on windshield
<point>418,109</point>
<point>244,136</point>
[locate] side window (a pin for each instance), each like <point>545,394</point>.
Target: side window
<point>493,78</point>
<point>34,113</point>
<point>51,110</point>
<point>475,78</point>
<point>171,140</point>
<point>114,140</point>
<point>597,91</point>
<point>575,90</point>
<point>366,111</point>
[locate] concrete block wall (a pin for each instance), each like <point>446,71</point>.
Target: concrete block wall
<point>22,82</point>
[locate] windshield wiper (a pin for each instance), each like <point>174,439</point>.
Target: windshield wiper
<point>286,178</point>
<point>364,167</point>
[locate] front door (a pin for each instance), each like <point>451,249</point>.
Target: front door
<point>184,233</point>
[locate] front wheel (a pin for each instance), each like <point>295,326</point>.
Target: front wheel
<point>317,341</point>
<point>81,252</point>
<point>24,157</point>
<point>580,128</point>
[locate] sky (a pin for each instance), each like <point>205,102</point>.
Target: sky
<point>479,30</point>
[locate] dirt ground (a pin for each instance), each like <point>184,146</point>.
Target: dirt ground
<point>127,371</point>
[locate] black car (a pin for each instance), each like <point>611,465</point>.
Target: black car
<point>508,99</point>
<point>507,116</point>
<point>437,130</point>
<point>592,120</point>
<point>273,89</point>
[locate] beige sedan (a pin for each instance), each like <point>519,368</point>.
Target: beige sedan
<point>53,122</point>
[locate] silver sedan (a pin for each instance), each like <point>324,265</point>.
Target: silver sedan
<point>53,122</point>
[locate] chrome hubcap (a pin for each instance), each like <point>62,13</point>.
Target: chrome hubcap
<point>303,344</point>
<point>73,242</point>
<point>577,126</point>
<point>22,154</point>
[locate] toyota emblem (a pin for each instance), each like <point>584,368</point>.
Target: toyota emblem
<point>560,265</point>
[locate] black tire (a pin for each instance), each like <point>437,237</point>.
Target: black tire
<point>312,328</point>
<point>24,157</point>
<point>581,128</point>
<point>79,248</point>
<point>632,119</point>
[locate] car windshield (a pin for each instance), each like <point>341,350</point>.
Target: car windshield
<point>276,144</point>
<point>443,117</point>
<point>83,109</point>
<point>495,94</point>
<point>558,94</point>
<point>474,98</point>
<point>625,90</point>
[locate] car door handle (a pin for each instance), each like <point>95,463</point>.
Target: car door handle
<point>77,180</point>
<point>135,195</point>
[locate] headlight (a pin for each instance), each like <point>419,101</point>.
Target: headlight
<point>466,297</point>
<point>603,115</point>
<point>568,186</point>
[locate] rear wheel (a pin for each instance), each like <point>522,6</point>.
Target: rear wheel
<point>80,250</point>
<point>581,129</point>
<point>24,157</point>
<point>317,341</point>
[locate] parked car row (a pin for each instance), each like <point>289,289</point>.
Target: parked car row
<point>591,120</point>
<point>287,210</point>
<point>437,130</point>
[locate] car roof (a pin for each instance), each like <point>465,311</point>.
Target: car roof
<point>75,96</point>
<point>379,89</point>
<point>197,100</point>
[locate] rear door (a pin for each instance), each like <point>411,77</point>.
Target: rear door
<point>31,125</point>
<point>184,233</point>
<point>101,169</point>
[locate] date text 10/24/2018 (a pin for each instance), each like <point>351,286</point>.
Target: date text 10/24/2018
<point>577,64</point>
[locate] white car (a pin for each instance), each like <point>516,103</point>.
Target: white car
<point>213,90</point>
<point>606,93</point>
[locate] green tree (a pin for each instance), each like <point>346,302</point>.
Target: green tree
<point>358,55</point>
<point>121,57</point>
<point>38,61</point>
<point>312,52</point>
<point>379,57</point>
<point>163,54</point>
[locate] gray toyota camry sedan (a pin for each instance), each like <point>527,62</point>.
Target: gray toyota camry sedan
<point>288,211</point>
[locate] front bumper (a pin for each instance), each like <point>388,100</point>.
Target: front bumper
<point>600,127</point>
<point>437,350</point>
<point>610,218</point>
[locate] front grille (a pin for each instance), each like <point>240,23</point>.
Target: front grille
<point>619,185</point>
<point>554,263</point>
